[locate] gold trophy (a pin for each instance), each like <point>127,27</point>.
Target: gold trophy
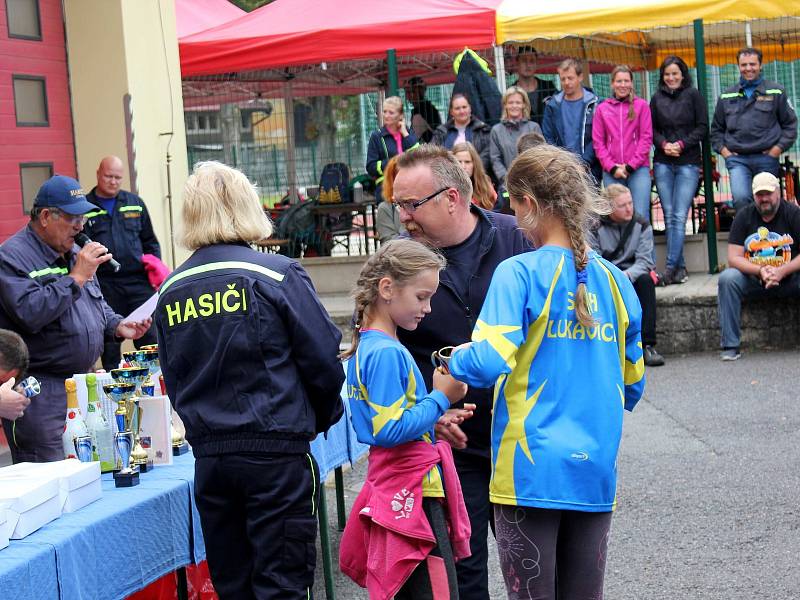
<point>136,376</point>
<point>147,356</point>
<point>122,393</point>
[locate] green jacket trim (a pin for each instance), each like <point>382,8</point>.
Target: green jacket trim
<point>219,266</point>
<point>48,271</point>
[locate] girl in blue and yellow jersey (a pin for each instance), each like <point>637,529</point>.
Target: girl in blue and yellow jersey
<point>400,511</point>
<point>559,338</point>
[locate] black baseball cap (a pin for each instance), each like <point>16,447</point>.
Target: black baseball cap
<point>63,193</point>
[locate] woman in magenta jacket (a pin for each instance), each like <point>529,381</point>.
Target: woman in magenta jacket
<point>622,133</point>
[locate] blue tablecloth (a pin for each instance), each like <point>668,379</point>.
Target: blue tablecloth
<point>340,445</point>
<point>131,536</point>
<point>119,544</point>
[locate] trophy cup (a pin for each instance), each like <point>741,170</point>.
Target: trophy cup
<point>135,375</point>
<point>122,393</point>
<point>144,358</point>
<point>441,358</point>
<point>83,448</point>
<point>128,476</point>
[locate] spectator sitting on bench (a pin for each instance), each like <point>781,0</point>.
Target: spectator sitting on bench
<point>763,258</point>
<point>625,239</point>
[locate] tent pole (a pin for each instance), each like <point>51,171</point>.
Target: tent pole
<point>391,65</point>
<point>499,68</point>
<point>291,163</point>
<point>748,35</point>
<point>708,181</point>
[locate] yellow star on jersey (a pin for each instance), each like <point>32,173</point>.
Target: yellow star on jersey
<point>514,436</point>
<point>393,412</point>
<point>495,335</point>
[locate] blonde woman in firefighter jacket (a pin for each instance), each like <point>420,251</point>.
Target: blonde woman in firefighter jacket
<point>249,358</point>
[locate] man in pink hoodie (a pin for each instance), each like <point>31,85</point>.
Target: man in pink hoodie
<point>622,133</point>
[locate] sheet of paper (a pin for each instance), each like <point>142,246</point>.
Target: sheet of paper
<point>145,310</point>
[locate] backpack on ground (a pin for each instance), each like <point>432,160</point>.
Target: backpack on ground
<point>334,184</point>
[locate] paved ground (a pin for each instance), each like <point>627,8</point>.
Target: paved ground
<point>708,490</point>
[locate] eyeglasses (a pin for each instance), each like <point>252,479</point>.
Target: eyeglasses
<point>73,219</point>
<point>411,205</point>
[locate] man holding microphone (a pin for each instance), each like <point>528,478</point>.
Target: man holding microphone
<point>50,297</point>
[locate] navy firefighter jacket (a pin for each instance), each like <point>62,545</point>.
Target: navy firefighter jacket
<point>127,233</point>
<point>63,324</point>
<point>248,353</point>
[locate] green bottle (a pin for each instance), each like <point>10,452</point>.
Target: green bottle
<point>99,429</point>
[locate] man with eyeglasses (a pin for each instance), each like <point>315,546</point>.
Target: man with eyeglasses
<point>121,223</point>
<point>433,195</point>
<point>49,296</point>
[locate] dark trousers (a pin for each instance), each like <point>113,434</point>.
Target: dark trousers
<point>548,554</point>
<point>474,473</point>
<point>438,570</point>
<point>124,298</point>
<point>259,518</point>
<point>36,436</point>
<point>646,291</point>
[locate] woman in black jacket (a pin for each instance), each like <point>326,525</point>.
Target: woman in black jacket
<point>463,127</point>
<point>390,140</point>
<point>680,120</point>
<point>249,358</point>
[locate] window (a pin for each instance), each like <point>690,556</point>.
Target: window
<point>201,122</point>
<point>32,176</point>
<point>23,19</point>
<point>30,101</point>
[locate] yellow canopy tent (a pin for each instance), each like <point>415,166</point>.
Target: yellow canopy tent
<point>641,32</point>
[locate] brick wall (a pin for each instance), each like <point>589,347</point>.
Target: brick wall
<point>52,143</point>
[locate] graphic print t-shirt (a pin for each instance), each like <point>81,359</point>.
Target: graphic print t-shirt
<point>774,243</point>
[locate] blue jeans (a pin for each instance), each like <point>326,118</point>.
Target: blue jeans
<point>733,287</point>
<point>639,184</point>
<point>742,168</point>
<point>676,185</point>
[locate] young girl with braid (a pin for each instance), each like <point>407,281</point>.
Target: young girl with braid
<point>396,543</point>
<point>559,338</point>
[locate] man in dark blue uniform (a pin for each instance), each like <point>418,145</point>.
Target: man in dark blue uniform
<point>119,220</point>
<point>48,295</point>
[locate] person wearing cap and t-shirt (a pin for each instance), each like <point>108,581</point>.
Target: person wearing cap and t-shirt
<point>50,297</point>
<point>763,257</point>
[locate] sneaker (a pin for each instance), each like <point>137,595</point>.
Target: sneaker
<point>679,275</point>
<point>668,275</point>
<point>652,358</point>
<point>730,354</point>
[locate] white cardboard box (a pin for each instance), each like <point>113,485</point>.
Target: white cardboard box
<point>5,532</point>
<point>155,429</point>
<point>33,502</point>
<point>79,483</point>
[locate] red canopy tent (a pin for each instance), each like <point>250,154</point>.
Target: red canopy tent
<point>193,16</point>
<point>308,32</point>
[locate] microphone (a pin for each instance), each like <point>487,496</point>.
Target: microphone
<point>82,239</point>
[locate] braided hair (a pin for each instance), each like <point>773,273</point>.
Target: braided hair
<point>558,185</point>
<point>400,259</point>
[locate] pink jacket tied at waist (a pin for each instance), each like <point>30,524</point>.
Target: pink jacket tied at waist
<point>618,140</point>
<point>388,534</point>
